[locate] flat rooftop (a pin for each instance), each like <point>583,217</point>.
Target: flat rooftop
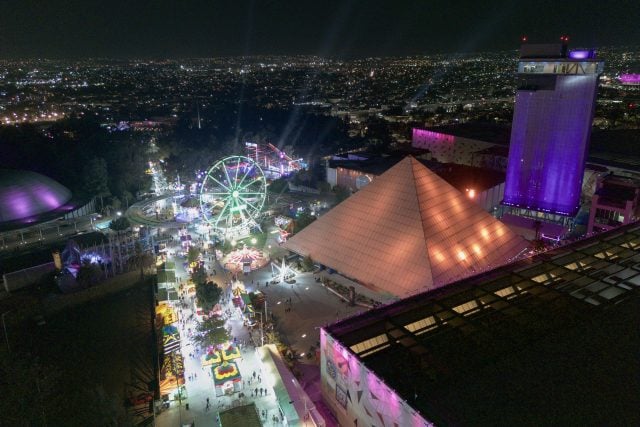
<point>550,340</point>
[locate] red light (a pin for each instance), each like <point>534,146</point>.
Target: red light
<point>524,38</point>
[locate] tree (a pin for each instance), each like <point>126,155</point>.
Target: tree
<point>307,263</point>
<point>89,274</point>
<point>278,186</point>
<point>199,275</point>
<point>208,295</point>
<point>96,178</point>
<point>302,220</point>
<point>192,254</point>
<point>141,259</point>
<point>341,193</point>
<point>211,331</point>
<point>120,224</point>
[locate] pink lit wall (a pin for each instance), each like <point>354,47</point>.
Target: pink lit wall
<point>448,148</point>
<point>355,393</point>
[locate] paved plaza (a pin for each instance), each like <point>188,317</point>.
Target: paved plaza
<point>298,321</point>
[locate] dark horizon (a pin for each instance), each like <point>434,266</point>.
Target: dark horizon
<point>72,29</point>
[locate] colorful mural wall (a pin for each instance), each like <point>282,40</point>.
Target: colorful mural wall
<point>356,395</point>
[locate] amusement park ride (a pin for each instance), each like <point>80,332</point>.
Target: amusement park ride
<point>232,195</point>
<point>275,162</point>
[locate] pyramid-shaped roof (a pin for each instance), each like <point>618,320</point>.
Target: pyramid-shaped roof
<point>407,231</point>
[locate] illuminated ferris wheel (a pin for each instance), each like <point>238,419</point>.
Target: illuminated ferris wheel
<point>232,195</point>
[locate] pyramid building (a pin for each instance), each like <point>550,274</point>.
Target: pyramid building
<point>407,231</point>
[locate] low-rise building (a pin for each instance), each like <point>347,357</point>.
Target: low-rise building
<point>614,203</point>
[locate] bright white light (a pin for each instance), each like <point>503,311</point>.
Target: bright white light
<point>254,241</point>
<point>304,335</point>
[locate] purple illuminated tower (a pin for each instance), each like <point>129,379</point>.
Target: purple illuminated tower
<point>555,101</point>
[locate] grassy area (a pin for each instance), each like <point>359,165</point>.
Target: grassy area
<point>104,345</point>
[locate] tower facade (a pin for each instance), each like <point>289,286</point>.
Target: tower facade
<point>555,103</point>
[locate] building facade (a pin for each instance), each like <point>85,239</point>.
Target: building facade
<point>615,202</point>
<point>555,102</point>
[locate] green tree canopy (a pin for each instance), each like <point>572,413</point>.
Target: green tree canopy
<point>193,254</point>
<point>199,276</point>
<point>120,224</point>
<point>211,331</point>
<point>278,186</point>
<point>341,193</point>
<point>307,263</point>
<point>96,177</point>
<point>208,295</point>
<point>302,220</point>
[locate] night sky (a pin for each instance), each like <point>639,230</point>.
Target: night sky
<point>346,28</point>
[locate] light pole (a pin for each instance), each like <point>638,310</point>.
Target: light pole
<point>261,329</point>
<point>4,326</point>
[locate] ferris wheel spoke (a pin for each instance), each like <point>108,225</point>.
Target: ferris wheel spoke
<point>246,173</point>
<point>226,173</point>
<point>250,204</point>
<point>221,214</point>
<point>219,183</point>
<point>215,193</point>
<point>244,194</point>
<point>253,185</point>
<point>237,169</point>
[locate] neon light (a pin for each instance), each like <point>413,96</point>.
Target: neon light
<point>549,143</point>
<point>423,135</point>
<point>630,78</point>
<point>581,54</point>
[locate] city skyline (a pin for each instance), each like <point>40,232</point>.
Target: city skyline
<point>192,28</point>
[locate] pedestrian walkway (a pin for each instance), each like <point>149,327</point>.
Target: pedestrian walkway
<point>298,310</point>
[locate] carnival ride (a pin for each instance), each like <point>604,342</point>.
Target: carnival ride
<point>244,260</point>
<point>276,163</point>
<point>232,195</point>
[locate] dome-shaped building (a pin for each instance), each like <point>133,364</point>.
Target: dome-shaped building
<point>26,195</point>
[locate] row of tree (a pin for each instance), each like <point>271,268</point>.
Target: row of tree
<point>81,155</point>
